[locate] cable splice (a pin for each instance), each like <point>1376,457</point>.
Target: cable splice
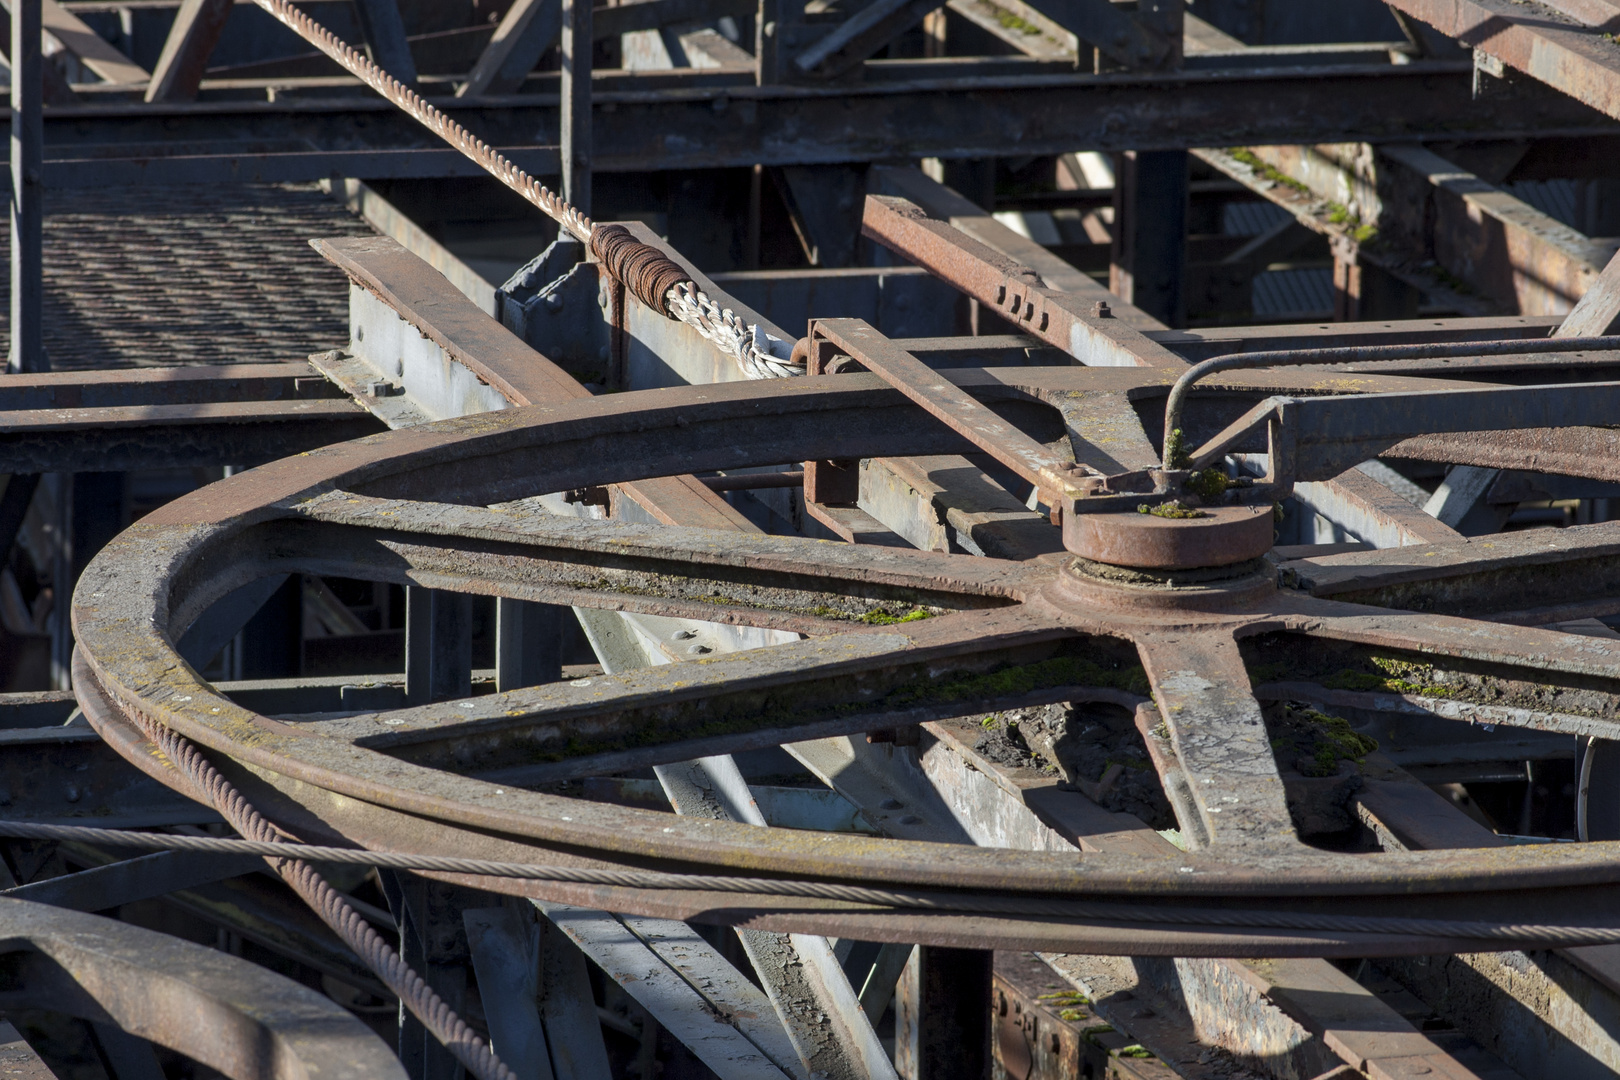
<point>761,355</point>
<point>648,273</point>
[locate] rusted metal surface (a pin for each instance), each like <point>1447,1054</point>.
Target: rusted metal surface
<point>1223,536</point>
<point>166,417</point>
<point>224,1012</point>
<point>1571,55</point>
<point>896,638</point>
<point>1361,504</point>
<point>1034,462</point>
<point>1071,322</point>
<point>473,340</point>
<point>131,274</point>
<point>1426,223</point>
<point>971,219</point>
<point>771,580</point>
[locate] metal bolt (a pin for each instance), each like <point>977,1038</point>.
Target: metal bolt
<point>891,804</point>
<point>72,793</point>
<point>1101,310</point>
<point>684,635</point>
<point>910,819</point>
<point>699,650</point>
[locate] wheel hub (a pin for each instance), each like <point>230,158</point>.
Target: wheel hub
<point>1171,536</point>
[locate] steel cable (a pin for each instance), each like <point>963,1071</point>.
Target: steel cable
<point>965,903</point>
<point>761,355</point>
<point>336,912</point>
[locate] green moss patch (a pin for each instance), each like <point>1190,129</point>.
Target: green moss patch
<point>1173,510</point>
<point>884,618</point>
<point>1314,742</point>
<point>1393,677</point>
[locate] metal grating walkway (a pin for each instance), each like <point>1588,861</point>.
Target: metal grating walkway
<point>206,274</point>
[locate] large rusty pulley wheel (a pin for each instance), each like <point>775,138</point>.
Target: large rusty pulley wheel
<point>1406,630</point>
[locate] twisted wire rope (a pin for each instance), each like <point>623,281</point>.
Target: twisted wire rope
<point>761,355</point>
<point>420,999</point>
<point>666,287</point>
<point>965,903</point>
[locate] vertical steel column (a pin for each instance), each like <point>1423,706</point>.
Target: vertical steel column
<point>95,513</point>
<point>433,942</point>
<point>576,103</point>
<point>529,641</point>
<point>756,191</point>
<point>1150,232</point>
<point>16,498</point>
<point>384,29</point>
<point>273,640</point>
<point>27,349</point>
<point>438,645</point>
<point>974,178</point>
<point>942,1015</point>
<point>767,29</point>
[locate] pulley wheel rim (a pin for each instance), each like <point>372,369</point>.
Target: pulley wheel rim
<point>169,567</point>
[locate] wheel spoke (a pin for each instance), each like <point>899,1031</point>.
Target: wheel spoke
<point>701,573</point>
<point>1506,573</point>
<point>1212,750</point>
<point>839,685</point>
<point>1464,669</point>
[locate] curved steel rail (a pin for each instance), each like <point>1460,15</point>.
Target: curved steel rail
<point>450,775</point>
<point>231,1015</point>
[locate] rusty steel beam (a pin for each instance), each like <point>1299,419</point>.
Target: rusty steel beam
<point>173,436</point>
<point>526,31</point>
<point>1575,56</point>
<point>88,46</point>
<point>1035,462</point>
<point>1354,263</point>
<point>1364,506</point>
<point>1085,330</point>
<point>697,126</point>
<point>1411,204</point>
<point>197,27</point>
<point>1285,1016</point>
<point>1599,306</point>
<point>517,372</point>
<point>939,201</point>
<point>1563,1003</point>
